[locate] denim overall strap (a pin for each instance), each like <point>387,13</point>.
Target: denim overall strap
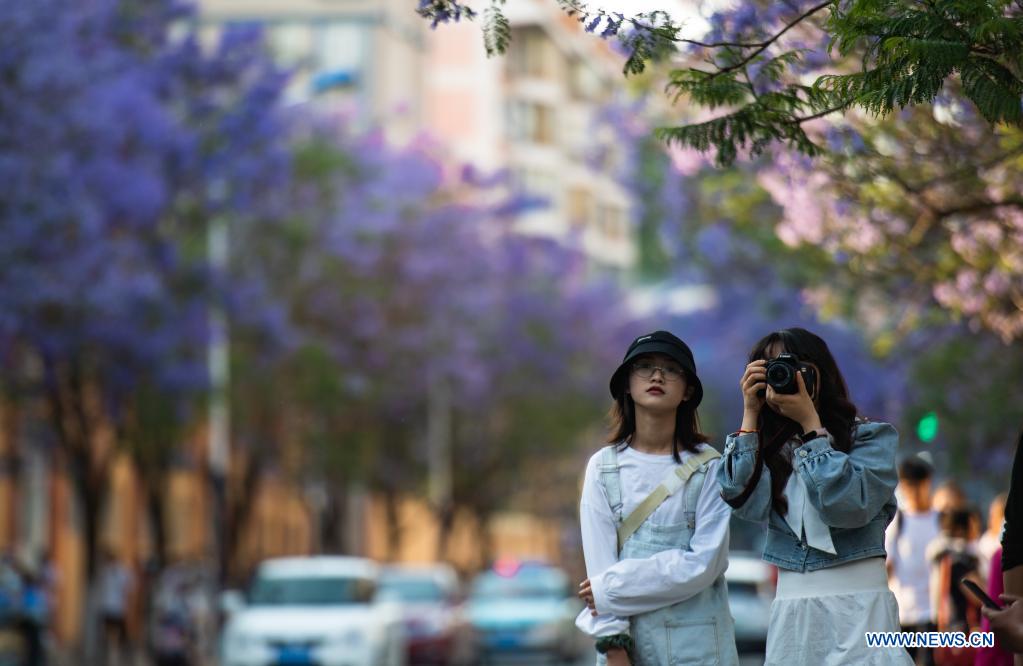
<point>697,631</point>
<point>692,493</point>
<point>611,480</point>
<point>676,479</point>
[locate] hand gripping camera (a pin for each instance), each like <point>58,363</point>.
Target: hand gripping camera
<point>781,375</point>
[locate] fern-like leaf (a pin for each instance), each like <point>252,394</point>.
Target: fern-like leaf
<point>496,29</point>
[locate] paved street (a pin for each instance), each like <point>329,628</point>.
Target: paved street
<point>747,660</point>
<point>588,660</point>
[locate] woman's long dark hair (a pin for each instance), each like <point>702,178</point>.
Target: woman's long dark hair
<point>837,412</point>
<point>622,418</point>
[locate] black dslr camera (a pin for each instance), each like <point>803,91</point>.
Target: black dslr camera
<point>781,375</point>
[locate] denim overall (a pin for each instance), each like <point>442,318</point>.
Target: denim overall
<point>695,632</point>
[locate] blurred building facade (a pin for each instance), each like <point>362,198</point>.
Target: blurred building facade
<point>533,113</point>
<point>359,58</point>
<point>536,112</point>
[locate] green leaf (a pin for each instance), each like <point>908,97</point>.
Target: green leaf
<point>496,29</point>
<point>994,89</point>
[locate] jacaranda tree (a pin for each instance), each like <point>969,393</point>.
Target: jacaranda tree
<point>122,139</point>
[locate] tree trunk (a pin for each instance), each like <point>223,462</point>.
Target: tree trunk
<point>486,538</point>
<point>393,524</point>
<point>445,524</point>
<point>155,494</point>
<point>89,500</point>
<point>333,521</point>
<point>88,475</point>
<point>239,509</point>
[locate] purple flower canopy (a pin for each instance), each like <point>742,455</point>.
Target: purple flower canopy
<point>121,154</point>
<point>419,279</point>
<point>751,297</point>
<point>112,133</point>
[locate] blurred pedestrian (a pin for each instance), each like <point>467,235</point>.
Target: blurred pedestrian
<point>948,495</point>
<point>34,612</point>
<point>953,556</point>
<point>654,527</point>
<point>991,541</point>
<point>12,640</point>
<point>115,586</point>
<point>824,481</point>
<point>173,620</point>
<point>1007,624</point>
<point>909,573</point>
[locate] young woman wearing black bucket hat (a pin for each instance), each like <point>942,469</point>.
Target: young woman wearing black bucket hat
<point>654,527</point>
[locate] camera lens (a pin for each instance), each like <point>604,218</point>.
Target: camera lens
<point>779,375</point>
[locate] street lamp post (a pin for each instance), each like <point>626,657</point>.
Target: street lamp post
<point>218,449</point>
<point>438,445</point>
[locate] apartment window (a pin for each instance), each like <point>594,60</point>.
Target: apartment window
<point>532,122</point>
<point>536,182</point>
<point>293,44</point>
<point>611,222</point>
<point>527,54</point>
<point>579,204</point>
<point>340,56</point>
<point>583,81</point>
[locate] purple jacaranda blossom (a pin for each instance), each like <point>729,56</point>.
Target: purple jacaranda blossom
<point>115,123</point>
<point>410,278</point>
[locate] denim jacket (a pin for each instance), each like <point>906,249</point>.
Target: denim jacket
<point>854,494</point>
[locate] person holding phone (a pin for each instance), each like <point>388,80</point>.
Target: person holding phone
<point>1008,622</point>
<point>824,482</point>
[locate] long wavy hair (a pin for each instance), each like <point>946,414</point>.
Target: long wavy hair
<point>622,419</point>
<point>837,412</point>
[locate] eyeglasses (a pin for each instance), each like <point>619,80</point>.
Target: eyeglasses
<point>646,370</point>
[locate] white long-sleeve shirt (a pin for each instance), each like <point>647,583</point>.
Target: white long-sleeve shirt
<point>633,586</point>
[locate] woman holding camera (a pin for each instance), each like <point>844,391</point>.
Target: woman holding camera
<point>824,482</point>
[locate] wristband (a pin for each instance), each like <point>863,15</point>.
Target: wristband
<point>812,434</point>
<point>605,643</point>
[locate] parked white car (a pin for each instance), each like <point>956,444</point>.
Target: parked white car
<point>322,611</point>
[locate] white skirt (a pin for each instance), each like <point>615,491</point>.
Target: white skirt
<point>820,618</point>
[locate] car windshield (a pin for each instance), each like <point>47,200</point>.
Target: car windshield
<point>526,583</point>
<point>310,591</point>
<point>410,588</point>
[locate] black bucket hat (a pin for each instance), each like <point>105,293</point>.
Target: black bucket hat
<point>659,342</point>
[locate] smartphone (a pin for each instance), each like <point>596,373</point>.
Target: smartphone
<point>980,594</point>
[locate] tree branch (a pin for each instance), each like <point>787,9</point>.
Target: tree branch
<point>763,46</point>
<point>956,174</point>
<point>979,206</point>
<point>820,114</point>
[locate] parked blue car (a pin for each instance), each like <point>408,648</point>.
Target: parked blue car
<point>521,608</point>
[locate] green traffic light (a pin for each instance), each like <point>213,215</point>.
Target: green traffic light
<point>927,427</point>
